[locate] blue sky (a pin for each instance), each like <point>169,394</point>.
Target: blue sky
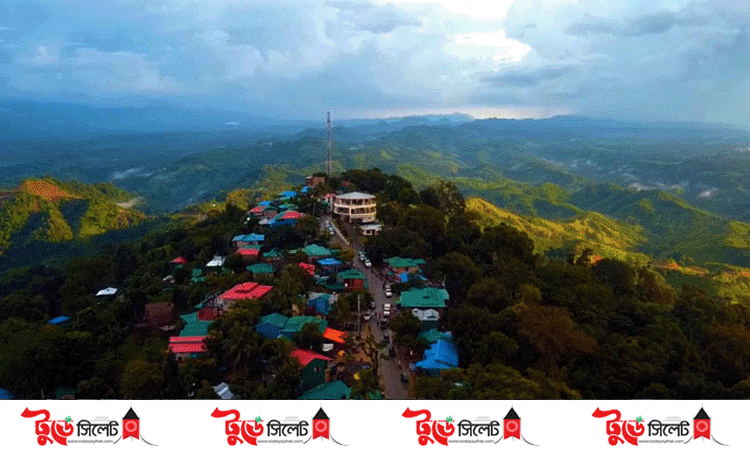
<point>663,60</point>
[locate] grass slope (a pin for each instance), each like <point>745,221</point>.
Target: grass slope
<point>608,238</point>
<point>49,210</point>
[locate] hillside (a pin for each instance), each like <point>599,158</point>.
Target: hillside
<point>52,211</point>
<point>608,238</point>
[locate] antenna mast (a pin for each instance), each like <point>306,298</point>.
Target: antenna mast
<point>328,156</point>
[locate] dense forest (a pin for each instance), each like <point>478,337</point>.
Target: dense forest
<point>526,325</point>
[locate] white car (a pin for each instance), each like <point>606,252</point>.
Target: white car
<point>366,317</point>
<point>368,264</point>
<point>387,313</point>
<point>386,307</point>
<point>388,293</point>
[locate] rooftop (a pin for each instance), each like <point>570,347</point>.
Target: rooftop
<point>336,390</point>
<point>309,268</point>
<point>427,314</point>
<point>398,263</point>
<point>223,391</point>
<point>441,355</point>
<point>305,357</point>
<point>329,262</point>
<point>184,344</point>
<point>335,335</point>
<point>246,291</point>
<point>218,261</point>
<point>107,291</point>
<point>423,298</point>
<point>356,196</point>
<point>351,274</point>
<point>275,319</point>
<point>294,324</point>
<point>59,320</point>
<point>260,268</point>
<point>316,250</point>
<point>289,215</point>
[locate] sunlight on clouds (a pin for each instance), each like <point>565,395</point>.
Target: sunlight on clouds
<point>476,9</point>
<point>504,49</point>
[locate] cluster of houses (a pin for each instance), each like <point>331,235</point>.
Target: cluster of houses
<point>426,304</point>
<point>323,373</point>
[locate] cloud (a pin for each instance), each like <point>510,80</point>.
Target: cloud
<point>527,78</point>
<point>654,23</point>
<point>661,59</point>
<point>373,18</point>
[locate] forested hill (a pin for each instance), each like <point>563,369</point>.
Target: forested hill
<point>53,211</point>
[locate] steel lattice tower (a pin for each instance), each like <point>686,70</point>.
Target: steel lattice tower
<point>328,155</point>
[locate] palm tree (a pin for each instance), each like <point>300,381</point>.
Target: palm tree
<point>366,383</point>
<point>241,347</point>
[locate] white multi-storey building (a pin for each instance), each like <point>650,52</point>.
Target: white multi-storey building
<point>355,207</point>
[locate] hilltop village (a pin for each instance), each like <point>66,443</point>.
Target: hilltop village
<point>359,286</point>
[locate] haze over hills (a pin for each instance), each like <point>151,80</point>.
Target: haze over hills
<point>680,182</point>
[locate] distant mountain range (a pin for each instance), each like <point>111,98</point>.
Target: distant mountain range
<point>24,119</point>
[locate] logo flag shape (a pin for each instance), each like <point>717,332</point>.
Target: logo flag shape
<point>321,425</point>
<point>512,425</point>
<point>702,425</point>
<point>131,425</point>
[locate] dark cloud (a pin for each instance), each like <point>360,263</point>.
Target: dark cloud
<point>656,23</point>
<point>527,78</point>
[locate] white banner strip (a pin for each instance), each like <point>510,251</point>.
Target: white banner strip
<point>210,424</point>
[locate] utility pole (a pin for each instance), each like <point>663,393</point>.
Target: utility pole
<point>328,153</point>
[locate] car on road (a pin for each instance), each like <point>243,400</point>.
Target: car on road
<point>362,256</point>
<point>366,316</point>
<point>386,307</point>
<point>368,264</point>
<point>388,292</point>
<point>386,314</point>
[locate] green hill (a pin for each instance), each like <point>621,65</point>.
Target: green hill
<point>608,238</point>
<point>48,210</point>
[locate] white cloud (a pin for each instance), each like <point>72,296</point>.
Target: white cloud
<point>476,9</point>
<point>503,49</point>
<point>655,59</point>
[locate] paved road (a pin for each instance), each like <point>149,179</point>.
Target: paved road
<point>390,372</point>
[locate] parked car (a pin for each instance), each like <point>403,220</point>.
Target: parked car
<point>368,264</point>
<point>372,304</point>
<point>366,316</point>
<point>388,292</point>
<point>386,314</point>
<point>384,324</point>
<point>362,256</point>
<point>404,377</point>
<point>386,307</point>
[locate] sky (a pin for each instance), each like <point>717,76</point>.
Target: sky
<point>651,60</point>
